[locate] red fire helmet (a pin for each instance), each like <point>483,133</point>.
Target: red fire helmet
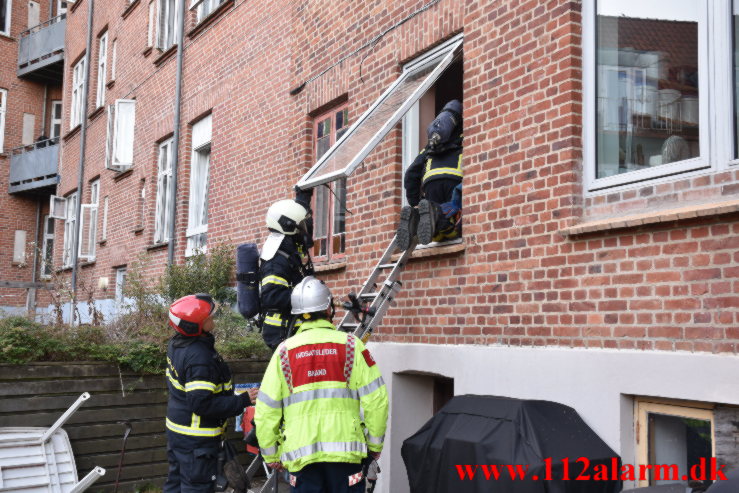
<point>187,314</point>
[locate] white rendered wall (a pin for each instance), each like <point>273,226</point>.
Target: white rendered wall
<point>597,383</point>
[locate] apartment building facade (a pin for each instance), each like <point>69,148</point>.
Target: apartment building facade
<point>31,55</point>
<point>598,266</point>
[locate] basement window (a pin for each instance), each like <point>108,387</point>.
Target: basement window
<point>352,148</point>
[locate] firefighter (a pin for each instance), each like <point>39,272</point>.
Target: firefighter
<point>308,409</point>
<point>201,397</point>
<point>433,183</point>
<point>284,262</point>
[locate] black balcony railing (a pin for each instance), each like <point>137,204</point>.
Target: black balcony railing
<point>33,168</point>
<point>41,50</point>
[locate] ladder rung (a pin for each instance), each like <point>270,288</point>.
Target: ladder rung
<point>349,326</point>
<point>387,266</point>
<point>368,296</point>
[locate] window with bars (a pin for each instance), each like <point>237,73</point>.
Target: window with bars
<point>197,223</point>
<point>164,199</point>
<point>329,206</point>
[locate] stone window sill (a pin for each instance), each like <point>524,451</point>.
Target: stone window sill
<point>436,249</point>
<point>157,246</point>
<point>72,133</point>
<point>166,55</point>
<point>330,267</point>
<point>654,217</point>
<point>129,8</point>
<point>98,111</point>
<point>204,23</point>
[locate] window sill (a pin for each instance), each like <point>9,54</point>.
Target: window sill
<point>6,36</point>
<point>200,27</point>
<point>655,217</point>
<point>102,242</point>
<point>166,55</point>
<point>147,51</point>
<point>87,264</point>
<point>110,84</point>
<point>72,133</point>
<point>74,6</point>
<point>436,250</point>
<point>62,270</point>
<point>130,8</point>
<point>98,111</point>
<point>158,246</point>
<point>138,230</point>
<point>120,175</point>
<point>330,267</point>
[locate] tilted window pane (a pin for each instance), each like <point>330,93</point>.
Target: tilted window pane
<point>647,84</point>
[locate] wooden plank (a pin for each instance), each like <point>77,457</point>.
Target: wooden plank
<point>112,430</point>
<point>56,370</point>
<point>111,444</point>
<point>25,285</point>
<point>86,416</point>
<point>131,458</point>
<point>67,386</point>
<point>98,399</point>
<point>132,485</point>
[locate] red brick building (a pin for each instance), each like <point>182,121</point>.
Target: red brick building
<point>31,57</point>
<point>599,264</point>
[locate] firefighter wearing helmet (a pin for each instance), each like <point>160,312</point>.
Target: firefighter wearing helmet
<point>201,397</point>
<point>308,410</point>
<point>284,262</point>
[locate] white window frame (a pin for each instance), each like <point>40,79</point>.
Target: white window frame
<point>166,23</point>
<point>164,200</point>
<point>121,132</point>
<point>3,110</point>
<point>47,263</point>
<point>69,221</point>
<point>54,121</point>
<point>61,7</point>
<point>440,58</point>
<point>104,231</point>
<point>89,213</point>
<point>78,83</point>
<point>120,286</point>
<point>5,30</point>
<point>19,247</point>
<point>715,113</point>
<point>197,221</point>
<point>151,28</point>
<point>207,7</point>
<point>113,58</point>
<point>643,407</point>
<point>102,70</point>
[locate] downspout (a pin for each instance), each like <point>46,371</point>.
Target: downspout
<point>176,137</point>
<point>83,141</point>
<point>43,110</point>
<point>31,297</point>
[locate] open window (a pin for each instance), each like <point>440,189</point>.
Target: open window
<point>121,125</point>
<point>681,436</point>
<point>352,148</point>
<point>89,224</point>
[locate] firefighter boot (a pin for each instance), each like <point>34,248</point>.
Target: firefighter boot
<point>428,214</point>
<point>407,227</point>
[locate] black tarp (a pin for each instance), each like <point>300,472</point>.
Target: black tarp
<point>480,430</point>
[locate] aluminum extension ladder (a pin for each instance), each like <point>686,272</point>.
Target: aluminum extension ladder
<point>385,276</point>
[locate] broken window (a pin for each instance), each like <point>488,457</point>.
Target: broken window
<point>354,146</point>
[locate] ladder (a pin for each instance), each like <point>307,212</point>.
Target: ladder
<point>378,292</point>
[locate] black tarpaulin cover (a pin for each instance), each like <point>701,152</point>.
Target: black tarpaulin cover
<point>476,430</point>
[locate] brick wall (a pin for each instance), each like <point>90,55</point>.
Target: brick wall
<point>519,280</point>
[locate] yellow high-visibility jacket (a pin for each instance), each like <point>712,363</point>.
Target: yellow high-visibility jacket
<point>308,408</point>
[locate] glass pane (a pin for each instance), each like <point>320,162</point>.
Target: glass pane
<point>323,145</point>
<point>647,84</point>
<point>320,220</point>
<point>736,78</point>
<point>340,119</point>
<point>378,120</point>
<point>680,441</point>
<point>340,206</point>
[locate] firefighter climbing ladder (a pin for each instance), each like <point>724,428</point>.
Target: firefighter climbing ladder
<point>378,300</point>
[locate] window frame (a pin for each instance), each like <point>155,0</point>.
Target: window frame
<point>201,13</point>
<point>151,31</point>
<point>90,211</point>
<point>5,30</point>
<point>113,58</point>
<point>443,55</point>
<point>102,70</point>
<point>47,254</point>
<point>115,134</point>
<point>716,124</point>
<point>3,111</point>
<point>166,28</point>
<point>120,286</point>
<point>330,255</point>
<point>78,85</point>
<point>643,407</point>
<point>54,120</point>
<point>197,227</point>
<point>69,223</point>
<point>164,200</point>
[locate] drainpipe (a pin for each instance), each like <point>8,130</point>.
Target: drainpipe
<point>43,110</point>
<point>83,141</point>
<point>31,297</point>
<point>176,137</point>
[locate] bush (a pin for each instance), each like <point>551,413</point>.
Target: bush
<point>18,341</point>
<point>211,273</point>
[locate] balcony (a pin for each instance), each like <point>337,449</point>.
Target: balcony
<point>33,168</point>
<point>41,51</point>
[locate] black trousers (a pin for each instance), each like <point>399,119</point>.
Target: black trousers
<point>327,477</point>
<point>193,464</point>
<point>440,191</point>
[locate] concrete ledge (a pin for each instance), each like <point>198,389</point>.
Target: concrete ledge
<point>653,217</point>
<point>330,267</point>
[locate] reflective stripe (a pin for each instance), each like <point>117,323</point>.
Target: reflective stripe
<point>285,364</point>
<point>309,395</point>
<point>371,387</point>
<point>195,423</point>
<point>263,397</point>
<point>201,385</point>
<point>174,381</point>
<point>273,320</point>
<point>349,358</point>
<point>442,171</point>
<point>376,440</point>
<point>228,385</point>
<point>268,450</point>
<point>314,448</point>
<point>275,280</point>
<point>189,430</point>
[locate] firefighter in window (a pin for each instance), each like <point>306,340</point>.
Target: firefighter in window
<point>284,262</point>
<point>433,183</point>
